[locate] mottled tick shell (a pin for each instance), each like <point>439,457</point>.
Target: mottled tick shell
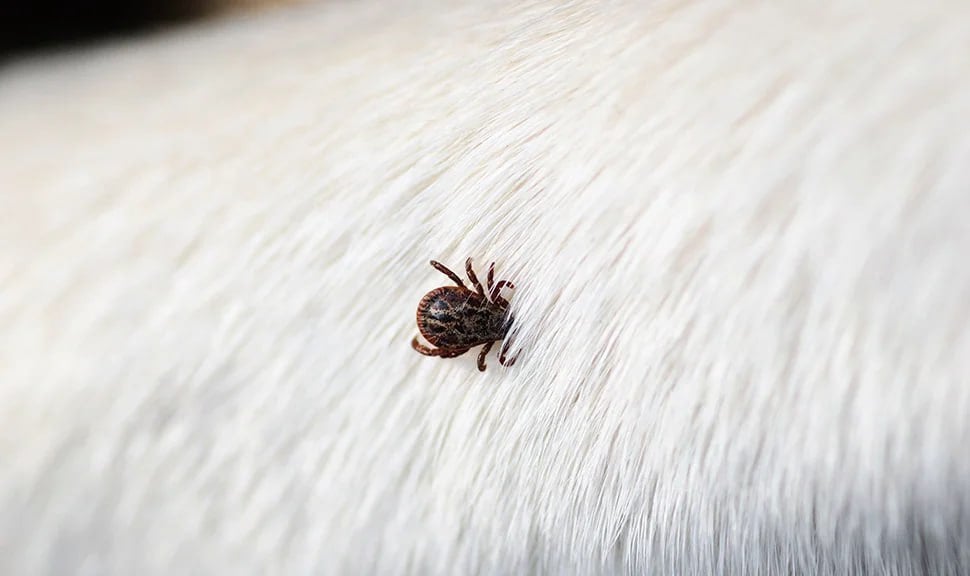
<point>453,317</point>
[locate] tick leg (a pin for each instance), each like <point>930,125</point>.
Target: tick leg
<point>422,348</point>
<point>439,352</point>
<point>444,270</point>
<point>507,361</point>
<point>498,288</point>
<point>481,356</point>
<point>473,278</point>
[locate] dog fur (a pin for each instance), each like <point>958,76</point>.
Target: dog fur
<point>738,232</point>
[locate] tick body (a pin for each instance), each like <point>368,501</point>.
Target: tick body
<point>455,319</point>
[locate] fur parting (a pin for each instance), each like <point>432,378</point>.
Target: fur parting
<point>738,233</point>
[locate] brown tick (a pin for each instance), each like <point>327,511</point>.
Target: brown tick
<point>456,319</point>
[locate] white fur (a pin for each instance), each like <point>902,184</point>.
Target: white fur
<point>738,231</point>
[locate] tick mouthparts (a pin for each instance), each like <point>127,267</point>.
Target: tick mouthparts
<point>507,324</point>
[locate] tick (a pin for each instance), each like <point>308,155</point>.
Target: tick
<point>456,319</point>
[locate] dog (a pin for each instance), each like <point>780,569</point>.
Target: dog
<point>737,235</point>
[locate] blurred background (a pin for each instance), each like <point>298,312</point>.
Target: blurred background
<point>39,25</point>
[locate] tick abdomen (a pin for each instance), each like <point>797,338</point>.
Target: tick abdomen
<point>452,317</point>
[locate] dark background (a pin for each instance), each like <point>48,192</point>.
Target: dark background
<point>29,26</point>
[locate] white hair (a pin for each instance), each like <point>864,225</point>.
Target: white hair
<point>738,233</point>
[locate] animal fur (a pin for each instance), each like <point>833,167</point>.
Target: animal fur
<point>738,232</point>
